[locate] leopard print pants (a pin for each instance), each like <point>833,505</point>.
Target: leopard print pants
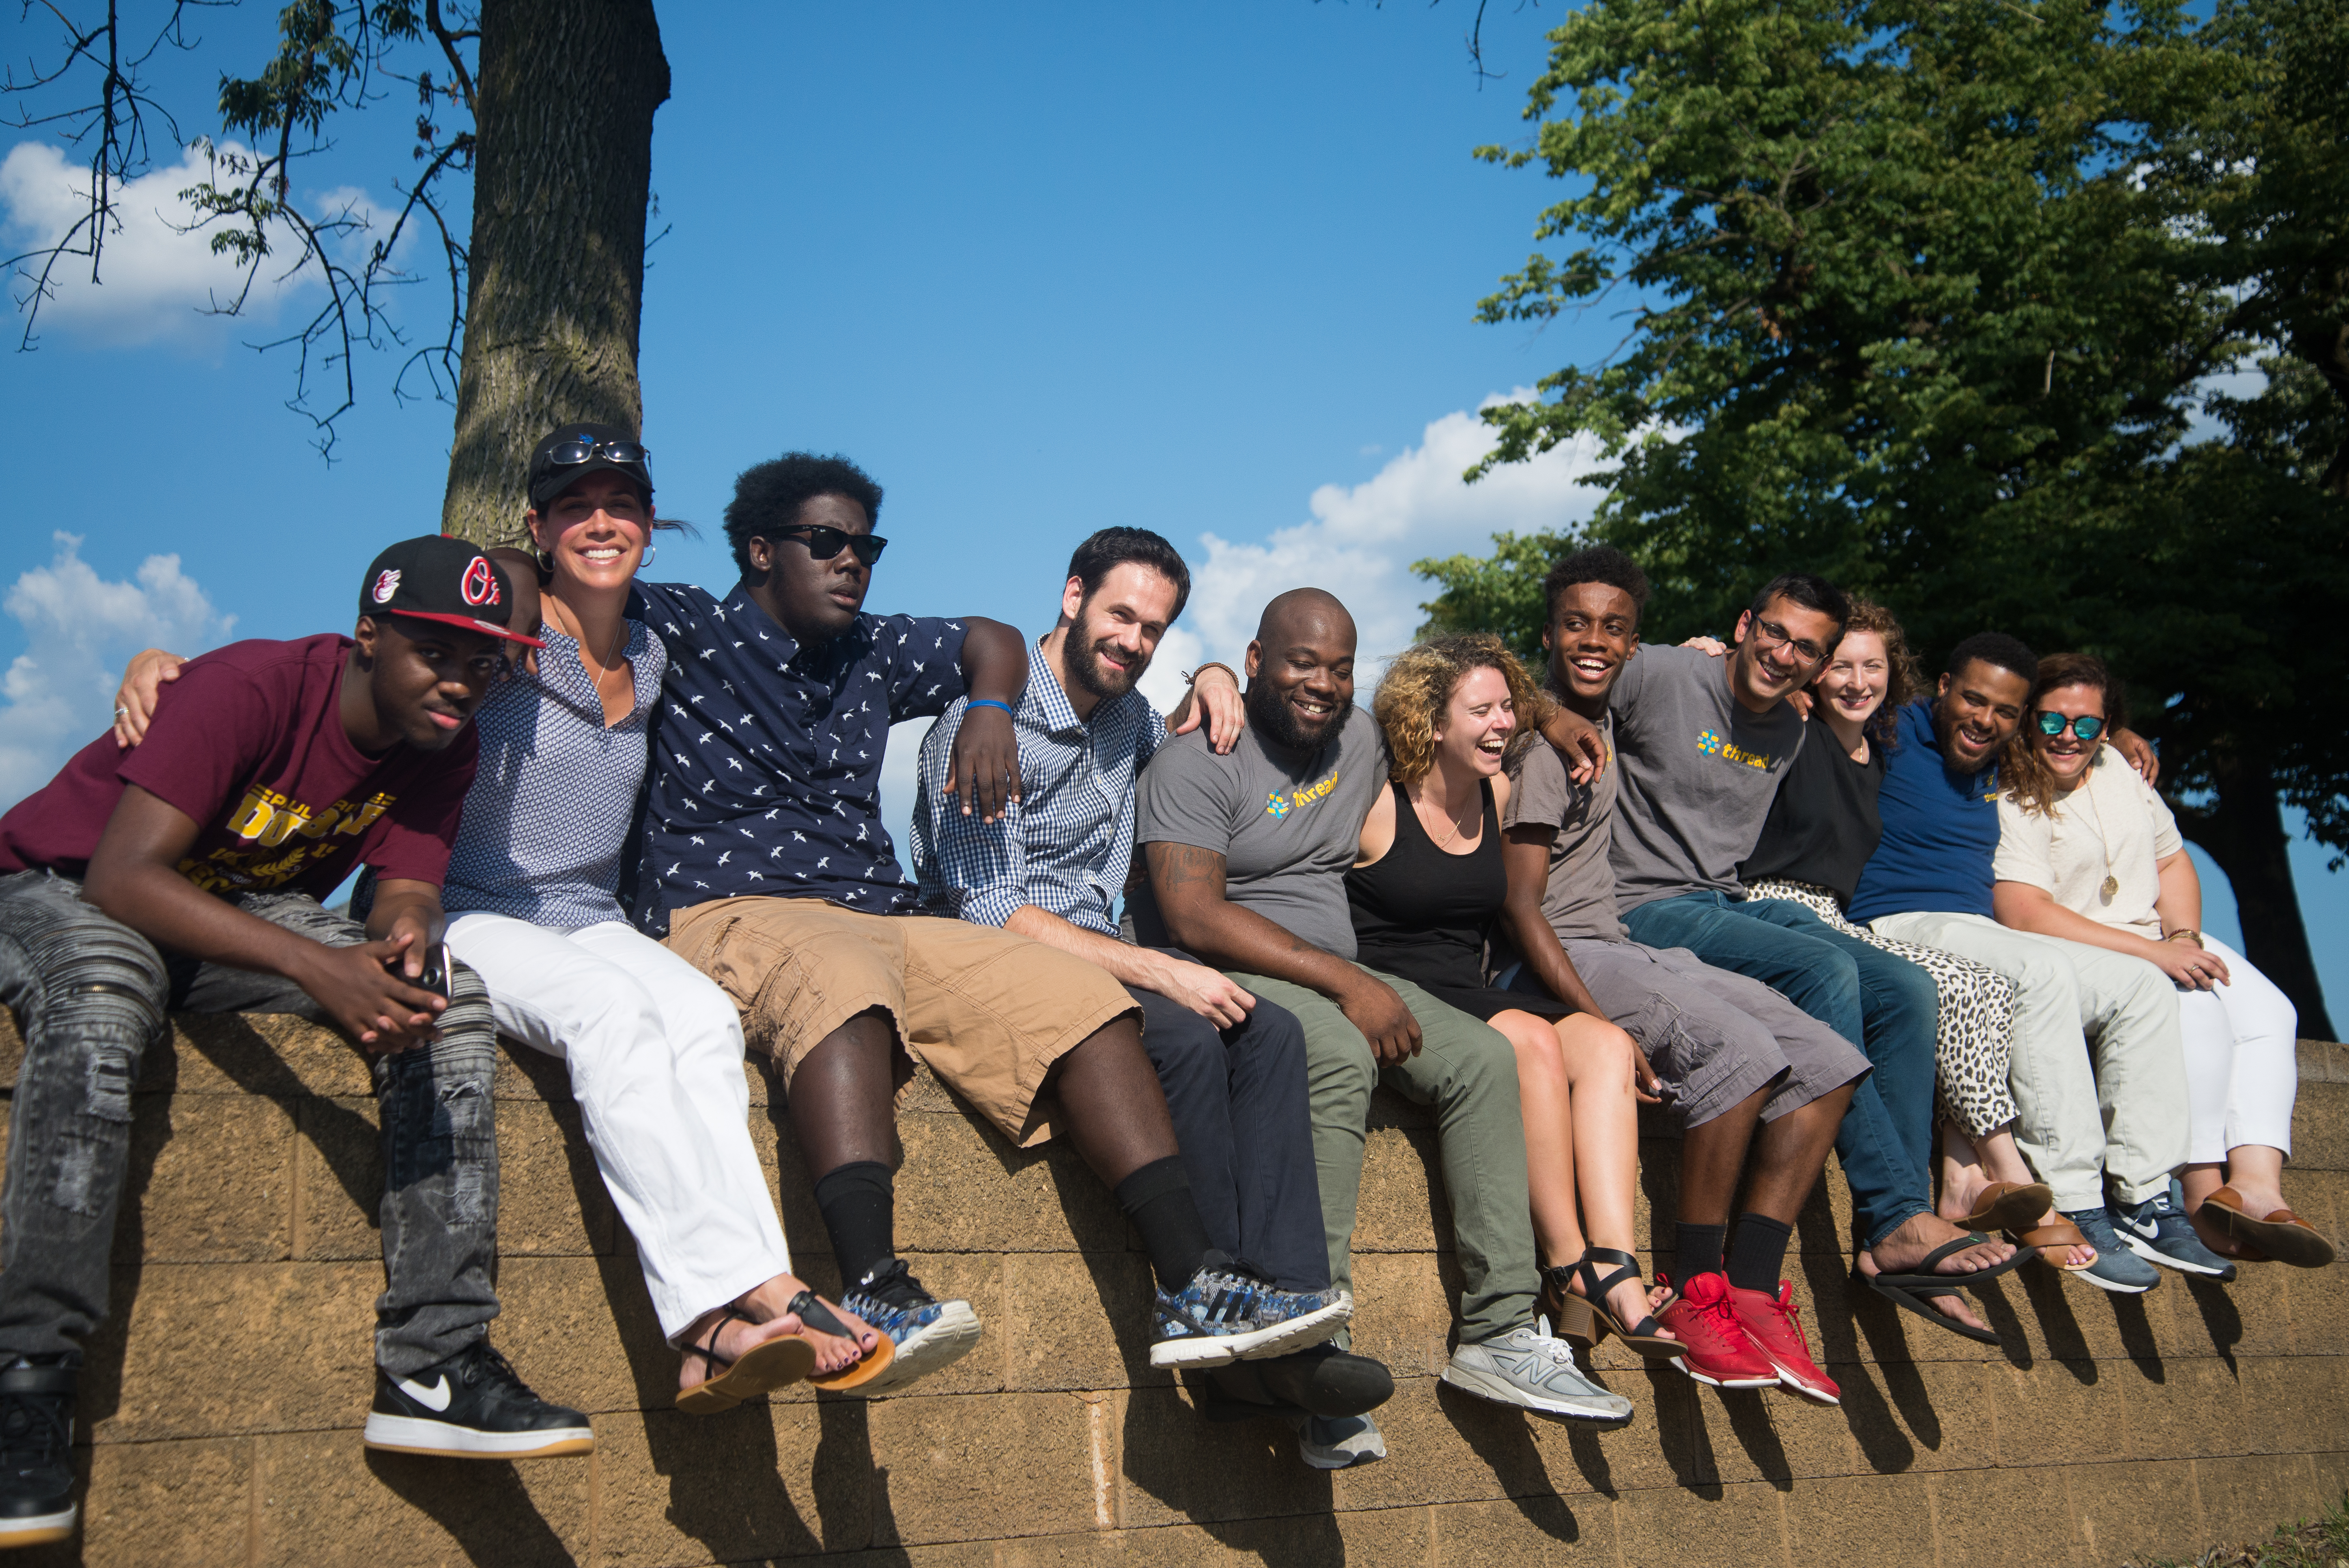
<point>1977,1013</point>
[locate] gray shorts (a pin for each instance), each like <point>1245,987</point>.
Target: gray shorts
<point>1719,1034</point>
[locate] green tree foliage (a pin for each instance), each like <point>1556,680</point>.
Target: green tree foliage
<point>1927,295</point>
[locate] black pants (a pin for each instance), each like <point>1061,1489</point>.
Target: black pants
<point>1238,1100</point>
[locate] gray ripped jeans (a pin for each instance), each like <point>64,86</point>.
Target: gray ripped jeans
<point>90,995</point>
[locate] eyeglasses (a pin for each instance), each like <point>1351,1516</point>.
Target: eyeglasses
<point>824,544</point>
<point>583,448</point>
<point>2087,726</point>
<point>1773,634</point>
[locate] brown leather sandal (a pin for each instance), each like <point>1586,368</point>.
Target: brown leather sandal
<point>2008,1205</point>
<point>2283,1235</point>
<point>2052,1239</point>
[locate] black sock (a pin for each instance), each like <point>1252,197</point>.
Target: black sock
<point>1757,1252</point>
<point>1157,1199</point>
<point>1696,1249</point>
<point>859,1203</point>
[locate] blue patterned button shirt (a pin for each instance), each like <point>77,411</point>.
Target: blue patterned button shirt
<point>1064,845</point>
<point>549,812</point>
<point>766,771</point>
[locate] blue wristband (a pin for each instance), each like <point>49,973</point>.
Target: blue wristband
<point>988,702</point>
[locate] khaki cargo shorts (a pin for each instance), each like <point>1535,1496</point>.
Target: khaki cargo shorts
<point>988,1012</point>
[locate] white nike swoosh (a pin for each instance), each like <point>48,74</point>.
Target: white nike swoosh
<point>2143,1229</point>
<point>433,1398</point>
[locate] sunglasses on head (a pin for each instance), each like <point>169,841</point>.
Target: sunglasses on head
<point>583,448</point>
<point>824,544</point>
<point>2087,726</point>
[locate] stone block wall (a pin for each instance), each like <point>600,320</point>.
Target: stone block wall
<point>222,1404</point>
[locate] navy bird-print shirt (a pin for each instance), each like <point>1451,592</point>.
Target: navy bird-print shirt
<point>766,755</point>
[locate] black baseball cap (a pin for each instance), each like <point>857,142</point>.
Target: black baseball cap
<point>436,578</point>
<point>574,451</point>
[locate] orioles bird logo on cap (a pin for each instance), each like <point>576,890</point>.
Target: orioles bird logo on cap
<point>481,585</point>
<point>387,585</point>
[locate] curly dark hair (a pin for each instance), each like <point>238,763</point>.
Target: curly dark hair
<point>768,495</point>
<point>2030,783</point>
<point>1595,563</point>
<point>1902,680</point>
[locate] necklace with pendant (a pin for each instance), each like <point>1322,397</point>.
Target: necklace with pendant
<point>2111,886</point>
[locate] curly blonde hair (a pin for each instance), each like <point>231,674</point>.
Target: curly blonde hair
<point>1414,692</point>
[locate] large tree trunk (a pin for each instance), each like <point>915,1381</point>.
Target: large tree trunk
<point>2243,831</point>
<point>563,114</point>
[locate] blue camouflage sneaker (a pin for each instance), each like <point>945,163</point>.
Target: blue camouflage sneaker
<point>2159,1232</point>
<point>1227,1313</point>
<point>2116,1269</point>
<point>927,1332</point>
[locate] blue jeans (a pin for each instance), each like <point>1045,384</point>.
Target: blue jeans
<point>1883,1004</point>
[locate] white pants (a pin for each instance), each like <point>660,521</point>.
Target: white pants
<point>655,1051</point>
<point>2242,1061</point>
<point>2097,1070</point>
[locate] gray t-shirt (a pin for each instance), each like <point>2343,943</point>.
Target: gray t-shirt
<point>1699,774</point>
<point>1287,824</point>
<point>1579,897</point>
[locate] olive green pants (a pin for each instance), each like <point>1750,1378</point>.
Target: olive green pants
<point>1465,1072</point>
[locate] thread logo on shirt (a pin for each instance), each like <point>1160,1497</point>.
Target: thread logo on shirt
<point>386,584</point>
<point>1277,808</point>
<point>1713,744</point>
<point>481,585</point>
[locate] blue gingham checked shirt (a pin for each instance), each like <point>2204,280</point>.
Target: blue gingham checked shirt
<point>1064,845</point>
<point>766,755</point>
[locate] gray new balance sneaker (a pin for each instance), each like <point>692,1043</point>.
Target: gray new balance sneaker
<point>2116,1269</point>
<point>2159,1232</point>
<point>1338,1443</point>
<point>1528,1366</point>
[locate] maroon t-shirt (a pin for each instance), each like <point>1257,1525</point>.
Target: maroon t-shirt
<point>249,742</point>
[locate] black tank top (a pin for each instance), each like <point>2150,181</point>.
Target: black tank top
<point>1422,913</point>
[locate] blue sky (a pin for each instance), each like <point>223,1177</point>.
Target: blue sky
<point>1208,269</point>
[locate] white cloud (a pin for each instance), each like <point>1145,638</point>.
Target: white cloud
<point>79,628</point>
<point>1362,539</point>
<point>157,282</point>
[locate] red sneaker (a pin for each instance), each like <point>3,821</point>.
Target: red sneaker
<point>1719,1352</point>
<point>1773,1324</point>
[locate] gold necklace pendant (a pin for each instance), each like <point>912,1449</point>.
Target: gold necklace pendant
<point>2112,886</point>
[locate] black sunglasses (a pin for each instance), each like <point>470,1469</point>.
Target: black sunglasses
<point>2087,726</point>
<point>582,449</point>
<point>824,544</point>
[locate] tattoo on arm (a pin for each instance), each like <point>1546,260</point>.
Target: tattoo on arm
<point>1175,866</point>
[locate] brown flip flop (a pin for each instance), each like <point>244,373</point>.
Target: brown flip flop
<point>814,1313</point>
<point>764,1367</point>
<point>2283,1235</point>
<point>2009,1205</point>
<point>2052,1239</point>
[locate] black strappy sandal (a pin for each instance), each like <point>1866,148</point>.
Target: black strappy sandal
<point>764,1367</point>
<point>1586,1319</point>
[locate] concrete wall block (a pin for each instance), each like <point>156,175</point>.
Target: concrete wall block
<point>218,1349</point>
<point>2294,1404</point>
<point>1404,1311</point>
<point>1997,1518</point>
<point>211,1181</point>
<point>161,1505</point>
<point>979,1466</point>
<point>2321,1061</point>
<point>1463,1448</point>
<point>1713,1526</point>
<point>1861,1518</point>
<point>581,1331</point>
<point>754,1485</point>
<point>1168,1546</point>
<point>2320,1198</point>
<point>273,1054</point>
<point>2146,1509</point>
<point>1403,1536</point>
<point>1174,1468</point>
<point>2181,1409</point>
<point>2319,1306</point>
<point>2320,1127</point>
<point>1522,1531</point>
<point>2243,1500</point>
<point>2070,1412</point>
<point>337,1178</point>
<point>1071,1321</point>
<point>552,1201</point>
<point>1927,1416</point>
<point>965,1188</point>
<point>325,1498</point>
<point>1402,1207</point>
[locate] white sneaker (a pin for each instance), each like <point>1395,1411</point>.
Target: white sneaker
<point>1528,1366</point>
<point>1338,1443</point>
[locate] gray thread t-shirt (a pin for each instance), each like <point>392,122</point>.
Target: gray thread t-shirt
<point>1578,898</point>
<point>1699,771</point>
<point>1287,824</point>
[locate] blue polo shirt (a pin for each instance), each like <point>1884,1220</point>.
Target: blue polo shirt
<point>766,755</point>
<point>1941,830</point>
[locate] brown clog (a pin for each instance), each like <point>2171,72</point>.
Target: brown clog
<point>2052,1239</point>
<point>2009,1205</point>
<point>2283,1235</point>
